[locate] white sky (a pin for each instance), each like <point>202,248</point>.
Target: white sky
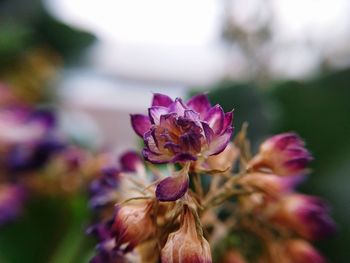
<point>145,28</point>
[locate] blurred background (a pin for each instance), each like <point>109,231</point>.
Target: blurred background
<point>282,65</point>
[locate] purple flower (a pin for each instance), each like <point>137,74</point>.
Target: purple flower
<point>28,138</point>
<point>27,157</point>
<point>175,131</point>
<point>105,189</point>
<point>283,154</point>
<point>21,125</point>
<point>11,202</point>
<point>107,252</point>
<point>306,215</point>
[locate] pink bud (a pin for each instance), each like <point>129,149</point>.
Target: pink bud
<point>283,154</point>
<point>301,251</point>
<point>306,215</point>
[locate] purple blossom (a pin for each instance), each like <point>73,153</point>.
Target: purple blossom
<point>28,138</point>
<point>306,215</point>
<point>20,125</point>
<point>104,190</point>
<point>24,157</point>
<point>107,252</point>
<point>284,154</point>
<point>175,131</point>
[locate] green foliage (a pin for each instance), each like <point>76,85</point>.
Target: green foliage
<point>50,230</point>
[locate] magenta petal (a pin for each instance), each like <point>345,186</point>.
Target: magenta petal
<point>129,161</point>
<point>200,104</point>
<point>151,142</point>
<point>215,118</point>
<point>191,115</point>
<point>178,107</point>
<point>140,123</point>
<point>156,112</point>
<point>183,157</point>
<point>219,143</point>
<point>227,120</point>
<point>154,157</point>
<point>161,100</point>
<point>173,187</point>
<point>208,132</point>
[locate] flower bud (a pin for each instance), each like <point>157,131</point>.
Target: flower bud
<point>173,187</point>
<point>103,190</point>
<point>270,183</point>
<point>186,245</point>
<point>282,154</point>
<point>306,215</point>
<point>301,251</point>
<point>131,162</point>
<point>133,224</point>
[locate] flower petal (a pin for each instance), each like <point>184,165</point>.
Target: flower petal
<point>156,112</point>
<point>151,142</point>
<point>161,100</point>
<point>173,187</point>
<point>130,161</point>
<point>208,132</point>
<point>183,157</point>
<point>227,120</point>
<point>178,107</point>
<point>191,115</point>
<point>140,123</point>
<point>154,157</point>
<point>219,143</point>
<point>215,118</point>
<point>200,104</point>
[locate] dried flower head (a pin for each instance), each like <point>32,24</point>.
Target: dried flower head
<point>175,131</point>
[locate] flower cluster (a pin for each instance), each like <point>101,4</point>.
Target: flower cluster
<point>283,220</point>
<point>34,155</point>
<point>210,191</point>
